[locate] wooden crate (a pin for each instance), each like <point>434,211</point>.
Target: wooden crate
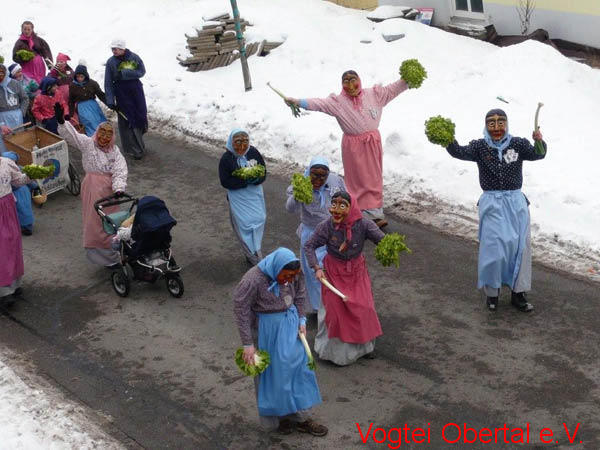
<point>22,143</point>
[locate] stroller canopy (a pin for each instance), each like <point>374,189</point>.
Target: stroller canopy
<point>151,215</point>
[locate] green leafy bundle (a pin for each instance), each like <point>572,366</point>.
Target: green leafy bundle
<point>1,59</point>
<point>389,248</point>
<point>25,55</point>
<point>248,173</point>
<point>130,65</point>
<point>262,359</point>
<point>37,172</point>
<point>413,73</point>
<point>440,130</point>
<point>303,188</point>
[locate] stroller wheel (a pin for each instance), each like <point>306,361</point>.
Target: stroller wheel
<point>175,285</point>
<point>120,282</point>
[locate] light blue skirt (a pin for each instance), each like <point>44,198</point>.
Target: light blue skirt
<point>24,209</point>
<point>313,286</point>
<point>503,230</point>
<point>90,116</point>
<point>287,385</point>
<point>249,213</point>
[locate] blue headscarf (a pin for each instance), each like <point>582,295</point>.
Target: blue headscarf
<point>502,143</point>
<point>7,79</point>
<point>47,83</point>
<point>11,155</point>
<point>241,159</point>
<point>318,161</point>
<point>272,264</point>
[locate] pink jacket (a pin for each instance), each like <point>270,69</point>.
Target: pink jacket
<point>43,105</point>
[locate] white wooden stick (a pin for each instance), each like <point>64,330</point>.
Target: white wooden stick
<point>332,288</point>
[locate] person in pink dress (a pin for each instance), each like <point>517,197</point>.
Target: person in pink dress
<point>34,65</point>
<point>358,112</point>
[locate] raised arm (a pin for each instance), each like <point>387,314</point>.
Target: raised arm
<point>466,153</point>
<point>244,297</point>
<point>386,94</point>
<point>528,152</point>
<point>73,138</point>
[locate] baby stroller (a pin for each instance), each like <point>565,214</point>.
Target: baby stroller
<point>146,251</point>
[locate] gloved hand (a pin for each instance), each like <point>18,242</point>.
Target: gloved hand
<point>252,180</point>
<point>59,113</point>
<point>112,106</point>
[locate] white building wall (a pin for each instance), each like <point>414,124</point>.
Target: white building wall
<point>441,15</point>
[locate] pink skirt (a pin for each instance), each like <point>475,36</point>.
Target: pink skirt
<point>362,155</point>
<point>354,321</point>
<point>11,247</point>
<point>95,186</point>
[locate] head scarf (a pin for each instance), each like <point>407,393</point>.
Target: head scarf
<point>241,159</point>
<point>4,83</point>
<point>318,161</point>
<point>502,143</point>
<point>14,68</point>
<point>11,155</point>
<point>273,263</point>
<point>352,217</point>
<point>47,83</point>
<point>356,101</point>
<point>110,146</point>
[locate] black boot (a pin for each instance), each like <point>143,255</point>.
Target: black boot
<point>492,303</point>
<point>519,301</point>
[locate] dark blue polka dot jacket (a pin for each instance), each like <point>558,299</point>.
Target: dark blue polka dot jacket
<point>495,174</point>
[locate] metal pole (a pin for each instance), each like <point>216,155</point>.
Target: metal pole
<point>240,39</point>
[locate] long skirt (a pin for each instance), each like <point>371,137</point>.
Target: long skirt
<point>504,241</point>
<point>287,385</point>
<point>362,156</point>
<point>90,116</point>
<point>313,286</point>
<point>36,68</point>
<point>347,330</point>
<point>248,215</point>
<point>11,247</point>
<point>132,139</point>
<point>95,240</point>
<point>12,119</point>
<point>24,209</point>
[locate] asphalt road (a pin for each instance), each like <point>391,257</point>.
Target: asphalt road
<point>160,373</point>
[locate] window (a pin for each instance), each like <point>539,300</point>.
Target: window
<point>468,8</point>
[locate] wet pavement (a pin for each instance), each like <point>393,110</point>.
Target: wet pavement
<point>160,372</point>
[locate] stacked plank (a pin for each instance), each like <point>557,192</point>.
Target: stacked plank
<point>216,44</point>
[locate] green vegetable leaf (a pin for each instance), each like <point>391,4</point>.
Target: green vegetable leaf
<point>413,73</point>
<point>389,248</point>
<point>303,188</point>
<point>262,359</point>
<point>1,59</point>
<point>25,55</point>
<point>440,130</point>
<point>37,172</point>
<point>311,360</point>
<point>131,65</point>
<point>247,173</point>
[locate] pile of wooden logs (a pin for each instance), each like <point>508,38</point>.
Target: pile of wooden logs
<point>216,44</point>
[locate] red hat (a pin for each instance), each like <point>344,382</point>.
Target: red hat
<point>61,57</point>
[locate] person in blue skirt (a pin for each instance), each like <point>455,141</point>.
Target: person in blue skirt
<point>247,209</point>
<point>269,305</point>
<point>23,197</point>
<point>504,223</point>
<point>324,184</point>
<point>83,92</point>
